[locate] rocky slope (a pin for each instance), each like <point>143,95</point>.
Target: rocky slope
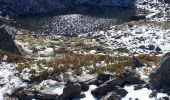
<point>114,64</point>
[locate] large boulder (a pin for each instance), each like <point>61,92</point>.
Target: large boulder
<point>128,77</point>
<point>70,91</point>
<point>167,1</point>
<point>7,42</point>
<point>160,76</point>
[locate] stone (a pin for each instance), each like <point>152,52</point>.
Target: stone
<point>10,98</point>
<point>138,17</point>
<point>158,49</point>
<point>136,62</point>
<point>84,80</point>
<point>26,95</point>
<point>121,91</point>
<point>160,79</point>
<point>128,77</point>
<point>70,91</point>
<point>151,47</point>
<point>7,42</point>
<point>46,94</point>
<point>112,96</point>
<point>153,94</point>
<point>131,77</point>
<point>106,87</point>
<point>137,87</point>
<point>167,1</point>
<point>104,76</point>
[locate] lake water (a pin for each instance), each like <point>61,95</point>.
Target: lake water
<point>75,21</point>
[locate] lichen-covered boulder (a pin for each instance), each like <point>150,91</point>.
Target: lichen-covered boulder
<point>160,76</point>
<point>7,42</point>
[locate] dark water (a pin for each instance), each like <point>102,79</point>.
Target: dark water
<point>75,21</point>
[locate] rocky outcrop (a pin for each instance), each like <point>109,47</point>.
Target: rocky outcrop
<point>129,77</point>
<point>160,77</point>
<point>70,91</point>
<point>7,40</point>
<point>22,7</point>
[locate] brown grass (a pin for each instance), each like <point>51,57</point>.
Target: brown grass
<point>11,57</point>
<point>149,58</point>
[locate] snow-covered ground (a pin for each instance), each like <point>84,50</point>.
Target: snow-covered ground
<point>142,38</point>
<point>9,79</point>
<point>141,94</point>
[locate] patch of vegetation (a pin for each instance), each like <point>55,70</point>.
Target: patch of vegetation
<point>146,58</point>
<point>118,67</point>
<point>10,57</point>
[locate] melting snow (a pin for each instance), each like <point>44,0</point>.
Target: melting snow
<point>9,80</point>
<point>141,94</point>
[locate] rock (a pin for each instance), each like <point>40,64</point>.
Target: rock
<point>167,1</point>
<point>7,40</point>
<point>128,77</point>
<point>10,98</point>
<point>158,49</point>
<point>136,62</point>
<point>84,80</point>
<point>164,98</point>
<point>153,94</point>
<point>112,96</point>
<point>46,94</point>
<point>26,95</point>
<point>121,91</point>
<point>107,87</point>
<point>160,77</point>
<point>151,47</point>
<point>138,17</point>
<point>104,77</point>
<point>81,95</point>
<point>70,91</point>
<point>131,77</point>
<point>137,87</point>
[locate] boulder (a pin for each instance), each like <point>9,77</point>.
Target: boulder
<point>107,87</point>
<point>121,91</point>
<point>104,76</point>
<point>7,42</point>
<point>26,95</point>
<point>160,77</point>
<point>136,62</point>
<point>131,77</point>
<point>70,91</point>
<point>84,80</point>
<point>167,1</point>
<point>128,77</point>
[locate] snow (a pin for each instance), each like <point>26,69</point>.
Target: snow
<point>9,79</point>
<point>141,94</point>
<point>52,86</point>
<point>88,95</point>
<point>47,51</point>
<point>58,90</point>
<point>137,39</point>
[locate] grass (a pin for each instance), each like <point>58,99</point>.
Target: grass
<point>146,58</point>
<point>11,57</point>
